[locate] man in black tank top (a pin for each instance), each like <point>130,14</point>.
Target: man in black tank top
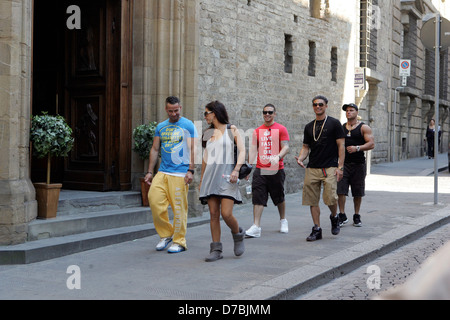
<point>358,138</point>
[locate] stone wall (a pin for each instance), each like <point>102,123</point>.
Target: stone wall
<point>242,63</point>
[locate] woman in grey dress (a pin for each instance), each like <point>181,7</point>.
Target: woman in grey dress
<point>219,177</point>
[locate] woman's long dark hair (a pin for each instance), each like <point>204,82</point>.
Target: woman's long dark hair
<point>219,111</point>
<point>221,114</point>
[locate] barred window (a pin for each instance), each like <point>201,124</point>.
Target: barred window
<point>368,34</point>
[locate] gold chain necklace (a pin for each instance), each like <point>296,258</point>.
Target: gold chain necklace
<point>321,129</point>
<point>349,134</point>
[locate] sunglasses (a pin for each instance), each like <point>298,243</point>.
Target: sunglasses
<point>207,112</point>
<point>320,104</point>
<point>267,112</point>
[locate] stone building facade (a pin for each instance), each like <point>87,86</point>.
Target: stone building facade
<point>245,53</point>
<point>286,52</point>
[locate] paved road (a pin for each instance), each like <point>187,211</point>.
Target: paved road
<point>395,268</point>
<point>398,208</point>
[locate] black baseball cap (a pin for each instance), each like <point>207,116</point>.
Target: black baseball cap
<point>344,107</point>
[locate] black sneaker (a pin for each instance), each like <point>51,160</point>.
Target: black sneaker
<point>357,220</point>
<point>316,234</point>
<point>342,219</point>
<point>335,228</point>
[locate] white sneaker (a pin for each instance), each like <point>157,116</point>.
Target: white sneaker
<point>175,248</point>
<point>284,226</point>
<point>163,243</point>
<point>253,232</point>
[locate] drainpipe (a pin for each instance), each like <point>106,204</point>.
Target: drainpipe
<point>436,104</point>
<point>394,123</point>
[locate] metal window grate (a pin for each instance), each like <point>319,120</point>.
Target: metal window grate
<point>368,34</point>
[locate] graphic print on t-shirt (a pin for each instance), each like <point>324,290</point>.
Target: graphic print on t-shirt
<point>269,145</point>
<point>172,138</point>
<point>174,147</point>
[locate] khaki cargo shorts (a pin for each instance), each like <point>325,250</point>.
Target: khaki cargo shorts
<point>314,178</point>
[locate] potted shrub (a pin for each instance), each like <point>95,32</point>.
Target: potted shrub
<point>143,141</point>
<point>51,137</point>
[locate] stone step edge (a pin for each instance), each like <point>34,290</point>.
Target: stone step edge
<point>51,248</point>
<point>87,222</point>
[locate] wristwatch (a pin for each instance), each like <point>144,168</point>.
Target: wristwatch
<point>341,168</point>
<point>191,171</point>
<point>357,148</point>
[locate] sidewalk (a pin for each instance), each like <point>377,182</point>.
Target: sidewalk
<point>397,209</point>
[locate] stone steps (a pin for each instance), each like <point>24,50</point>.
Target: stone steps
<point>75,202</point>
<point>88,222</point>
<point>50,248</point>
<point>85,221</point>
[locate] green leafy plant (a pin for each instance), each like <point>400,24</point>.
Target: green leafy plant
<point>51,137</point>
<point>143,139</point>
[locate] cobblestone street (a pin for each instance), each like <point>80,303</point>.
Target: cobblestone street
<point>395,268</point>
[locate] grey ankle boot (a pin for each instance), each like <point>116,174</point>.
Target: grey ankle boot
<point>215,252</point>
<point>238,238</point>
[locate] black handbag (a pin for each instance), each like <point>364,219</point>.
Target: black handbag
<point>246,168</point>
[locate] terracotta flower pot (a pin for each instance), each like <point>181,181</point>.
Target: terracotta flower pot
<point>47,196</point>
<point>144,192</point>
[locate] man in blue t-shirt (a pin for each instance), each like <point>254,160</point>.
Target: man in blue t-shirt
<point>174,139</point>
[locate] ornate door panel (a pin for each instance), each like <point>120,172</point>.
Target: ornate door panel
<point>92,95</point>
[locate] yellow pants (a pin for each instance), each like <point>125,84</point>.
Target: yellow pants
<point>165,190</point>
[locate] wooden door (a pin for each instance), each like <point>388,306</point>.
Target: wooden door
<point>91,94</point>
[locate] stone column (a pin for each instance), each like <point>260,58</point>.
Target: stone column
<point>165,62</point>
<point>175,53</point>
<point>175,23</point>
<point>17,197</point>
<point>165,57</point>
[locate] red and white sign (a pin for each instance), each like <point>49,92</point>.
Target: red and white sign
<point>405,68</point>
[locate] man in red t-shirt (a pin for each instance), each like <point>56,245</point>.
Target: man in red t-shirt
<point>270,143</point>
